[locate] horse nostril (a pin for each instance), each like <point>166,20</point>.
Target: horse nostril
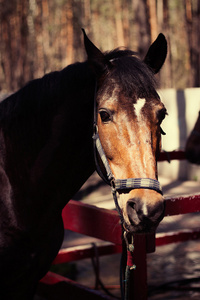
<point>133,208</point>
<point>131,204</point>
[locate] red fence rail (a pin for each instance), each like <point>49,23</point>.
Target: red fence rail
<point>84,218</point>
<point>178,154</point>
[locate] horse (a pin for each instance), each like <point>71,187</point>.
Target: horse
<point>192,147</point>
<point>47,153</point>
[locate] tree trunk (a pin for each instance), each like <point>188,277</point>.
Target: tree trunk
<point>152,19</point>
<point>118,22</point>
<point>142,27</point>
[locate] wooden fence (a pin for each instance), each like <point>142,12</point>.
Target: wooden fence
<point>104,224</point>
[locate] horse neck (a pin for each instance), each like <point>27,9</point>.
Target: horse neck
<point>45,178</point>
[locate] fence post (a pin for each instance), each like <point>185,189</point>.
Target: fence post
<point>138,285</point>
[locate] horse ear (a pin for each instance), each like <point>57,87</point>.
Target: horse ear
<point>156,54</point>
<point>96,58</point>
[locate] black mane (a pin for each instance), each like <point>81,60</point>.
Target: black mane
<point>45,93</point>
<point>29,112</point>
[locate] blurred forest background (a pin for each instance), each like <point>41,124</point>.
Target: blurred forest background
<point>39,36</point>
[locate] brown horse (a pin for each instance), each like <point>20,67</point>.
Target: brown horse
<point>46,154</point>
<point>192,148</point>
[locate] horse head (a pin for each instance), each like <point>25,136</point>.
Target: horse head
<point>129,115</point>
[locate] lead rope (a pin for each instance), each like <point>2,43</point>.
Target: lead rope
<point>129,265</point>
<point>125,287</point>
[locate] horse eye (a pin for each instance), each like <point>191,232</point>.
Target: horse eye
<point>105,116</point>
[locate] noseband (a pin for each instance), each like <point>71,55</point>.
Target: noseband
<point>117,184</point>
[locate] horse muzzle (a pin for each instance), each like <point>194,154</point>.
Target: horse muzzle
<point>143,211</point>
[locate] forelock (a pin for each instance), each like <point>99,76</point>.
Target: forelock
<point>133,76</point>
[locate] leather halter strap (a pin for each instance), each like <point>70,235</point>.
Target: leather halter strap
<point>117,184</point>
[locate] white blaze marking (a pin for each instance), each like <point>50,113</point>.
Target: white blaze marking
<point>145,210</point>
<point>138,106</point>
